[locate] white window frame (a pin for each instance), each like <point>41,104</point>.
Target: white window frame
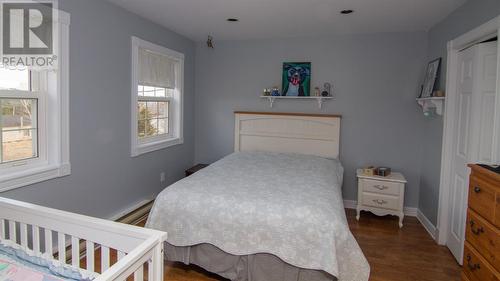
<point>41,121</point>
<point>176,107</point>
<point>53,127</point>
<point>170,133</point>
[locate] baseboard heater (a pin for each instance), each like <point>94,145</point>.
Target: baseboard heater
<point>133,218</point>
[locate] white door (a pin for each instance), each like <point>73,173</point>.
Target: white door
<point>483,103</point>
<point>469,107</point>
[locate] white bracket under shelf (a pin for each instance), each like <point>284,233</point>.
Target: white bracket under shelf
<point>432,102</point>
<point>320,100</point>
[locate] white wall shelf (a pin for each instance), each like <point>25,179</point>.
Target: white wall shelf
<point>432,102</point>
<point>319,100</point>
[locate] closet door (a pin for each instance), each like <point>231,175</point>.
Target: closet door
<point>473,137</point>
<point>496,122</point>
<point>461,152</point>
<point>483,103</point>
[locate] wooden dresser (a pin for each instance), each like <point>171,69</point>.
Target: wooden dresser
<point>482,245</point>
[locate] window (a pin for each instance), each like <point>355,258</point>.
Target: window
<point>18,116</point>
<point>157,83</point>
<point>19,129</point>
<point>153,108</point>
<point>34,126</point>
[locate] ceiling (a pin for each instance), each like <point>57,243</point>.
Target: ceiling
<point>261,19</point>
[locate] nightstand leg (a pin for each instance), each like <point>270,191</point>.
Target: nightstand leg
<point>401,221</point>
<point>358,212</point>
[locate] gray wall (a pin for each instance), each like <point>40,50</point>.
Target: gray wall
<point>472,14</point>
<point>105,179</point>
<point>375,79</point>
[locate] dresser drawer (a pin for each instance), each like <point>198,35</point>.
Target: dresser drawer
<point>476,267</point>
<point>381,201</point>
<point>381,187</point>
<point>482,198</point>
<point>484,237</point>
<point>464,277</point>
<point>497,212</point>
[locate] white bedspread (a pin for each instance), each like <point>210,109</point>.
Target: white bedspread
<point>288,205</point>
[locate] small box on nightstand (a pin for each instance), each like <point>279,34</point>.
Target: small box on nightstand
<point>381,195</point>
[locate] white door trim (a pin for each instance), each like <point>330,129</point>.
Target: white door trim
<point>486,31</point>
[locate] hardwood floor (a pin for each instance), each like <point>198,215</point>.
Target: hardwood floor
<point>407,254</point>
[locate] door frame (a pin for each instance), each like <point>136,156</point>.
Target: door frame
<point>486,31</point>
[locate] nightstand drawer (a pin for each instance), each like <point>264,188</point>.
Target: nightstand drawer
<point>381,201</point>
<point>381,187</point>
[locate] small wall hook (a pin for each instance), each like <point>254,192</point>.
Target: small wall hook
<point>210,43</point>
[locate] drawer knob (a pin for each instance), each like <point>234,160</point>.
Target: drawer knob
<point>472,267</point>
<point>475,231</point>
<point>380,202</point>
<point>477,189</point>
<point>380,187</point>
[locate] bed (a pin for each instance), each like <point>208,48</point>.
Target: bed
<point>39,243</point>
<point>271,211</point>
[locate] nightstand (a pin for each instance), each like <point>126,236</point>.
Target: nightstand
<point>381,195</point>
<point>195,169</point>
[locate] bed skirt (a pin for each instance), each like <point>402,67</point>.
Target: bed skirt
<point>256,267</point>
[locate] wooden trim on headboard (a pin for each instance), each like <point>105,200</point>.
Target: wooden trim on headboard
<point>288,114</point>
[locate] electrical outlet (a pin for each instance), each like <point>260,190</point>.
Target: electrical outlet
<point>162,177</point>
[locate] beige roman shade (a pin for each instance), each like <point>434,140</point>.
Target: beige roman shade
<point>156,70</point>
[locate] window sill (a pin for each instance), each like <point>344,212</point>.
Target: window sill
<point>144,148</point>
<point>33,175</point>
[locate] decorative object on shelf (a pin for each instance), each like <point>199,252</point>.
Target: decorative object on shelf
<point>432,105</point>
<point>430,78</point>
<point>296,79</point>
<point>275,92</point>
<point>316,92</point>
<point>438,93</point>
<point>326,90</point>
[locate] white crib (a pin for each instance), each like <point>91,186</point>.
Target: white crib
<point>125,252</point>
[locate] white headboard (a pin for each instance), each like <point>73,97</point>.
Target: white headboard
<point>312,134</point>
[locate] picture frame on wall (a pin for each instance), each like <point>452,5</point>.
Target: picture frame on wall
<point>430,78</point>
<point>296,79</point>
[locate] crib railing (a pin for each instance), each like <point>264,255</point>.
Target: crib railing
<point>116,251</point>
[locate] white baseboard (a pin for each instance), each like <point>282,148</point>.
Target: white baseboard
<point>431,229</point>
<point>130,209</point>
<point>350,204</point>
<point>409,211</point>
